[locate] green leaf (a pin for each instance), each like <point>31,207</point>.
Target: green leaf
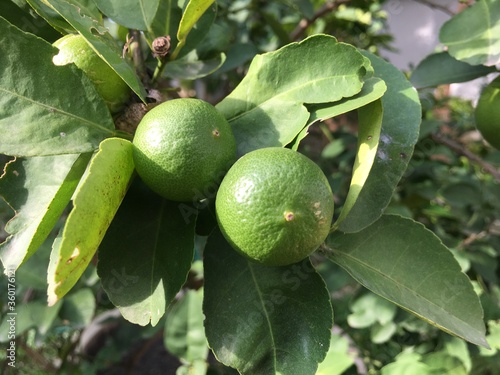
<point>51,16</point>
<point>267,107</point>
<point>192,13</point>
<point>161,24</point>
<point>339,357</point>
<point>95,203</point>
<point>370,309</point>
<point>305,7</point>
<point>402,261</point>
<point>35,314</point>
<point>237,55</point>
<point>38,189</point>
<point>407,363</point>
<point>78,308</point>
<point>399,134</point>
<point>22,16</point>
<point>33,273</point>
<point>264,320</point>
<point>146,254</point>
<point>133,14</point>
<point>473,35</point>
<point>493,339</point>
<point>370,122</point>
<point>373,89</point>
<point>190,68</point>
<point>441,68</point>
<point>46,109</point>
<point>184,334</point>
<point>86,23</point>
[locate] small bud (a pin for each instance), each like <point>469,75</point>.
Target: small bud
<point>161,46</point>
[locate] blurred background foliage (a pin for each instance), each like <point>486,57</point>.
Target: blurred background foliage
<point>451,186</point>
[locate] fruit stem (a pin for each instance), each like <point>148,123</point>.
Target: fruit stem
<point>161,49</point>
<point>160,67</point>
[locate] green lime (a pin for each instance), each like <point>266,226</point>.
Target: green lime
<point>73,48</point>
<point>183,148</point>
<point>275,206</point>
<point>488,113</point>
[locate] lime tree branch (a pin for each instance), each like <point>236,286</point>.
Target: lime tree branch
<point>321,12</point>
<point>461,150</point>
<point>137,56</point>
<point>439,7</point>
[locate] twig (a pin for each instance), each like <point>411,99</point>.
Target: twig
<point>442,8</point>
<point>461,150</point>
<point>305,23</point>
<point>471,238</point>
<point>137,56</point>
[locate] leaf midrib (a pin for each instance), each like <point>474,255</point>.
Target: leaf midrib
<point>58,110</point>
<point>266,314</point>
<point>403,286</point>
<point>153,259</point>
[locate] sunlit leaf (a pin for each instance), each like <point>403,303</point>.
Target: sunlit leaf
<point>268,107</point>
<point>373,89</point>
<point>473,35</point>
<point>400,127</point>
<point>95,203</point>
<point>46,109</point>
<point>38,189</point>
<point>369,126</point>
<point>100,40</point>
<point>192,13</point>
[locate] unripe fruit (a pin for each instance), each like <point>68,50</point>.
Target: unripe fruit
<point>182,149</point>
<point>488,113</point>
<point>73,48</point>
<point>275,206</point>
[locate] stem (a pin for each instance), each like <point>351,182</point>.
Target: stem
<point>137,57</point>
<point>432,5</point>
<point>305,23</point>
<point>461,150</point>
<point>160,67</point>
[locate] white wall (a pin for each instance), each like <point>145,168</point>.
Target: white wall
<point>415,27</point>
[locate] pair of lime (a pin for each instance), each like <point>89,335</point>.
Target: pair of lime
<point>274,205</point>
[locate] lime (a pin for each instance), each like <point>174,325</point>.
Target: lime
<point>275,206</point>
<point>488,113</point>
<point>73,48</point>
<point>182,149</point>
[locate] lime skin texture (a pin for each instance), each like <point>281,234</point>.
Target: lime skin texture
<point>182,149</point>
<point>488,113</point>
<point>275,206</point>
<point>73,48</point>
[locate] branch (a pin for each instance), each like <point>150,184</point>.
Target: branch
<point>134,45</point>
<point>461,150</point>
<point>432,5</point>
<point>305,23</point>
